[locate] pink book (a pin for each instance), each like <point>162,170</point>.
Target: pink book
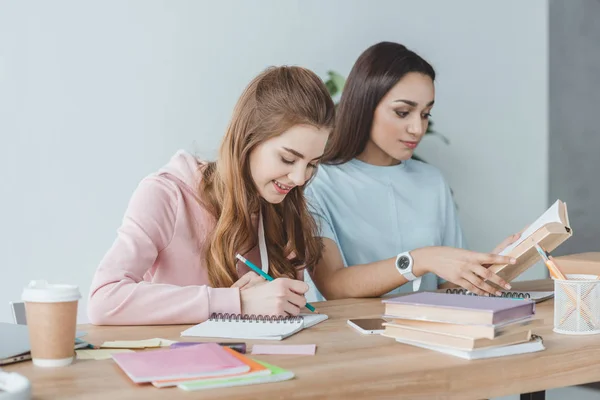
<point>456,308</point>
<point>203,360</point>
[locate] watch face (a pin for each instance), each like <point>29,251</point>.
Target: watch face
<point>403,262</point>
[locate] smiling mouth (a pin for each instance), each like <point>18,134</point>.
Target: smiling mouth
<point>281,188</point>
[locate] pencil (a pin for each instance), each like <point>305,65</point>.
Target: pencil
<point>552,267</point>
<point>266,276</point>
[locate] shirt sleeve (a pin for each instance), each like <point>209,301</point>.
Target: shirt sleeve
<point>321,215</point>
<point>119,294</point>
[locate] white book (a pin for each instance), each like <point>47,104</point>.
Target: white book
<point>556,213</point>
<point>535,344</point>
<point>549,231</point>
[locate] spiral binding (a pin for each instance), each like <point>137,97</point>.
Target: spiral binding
<point>513,295</point>
<point>278,319</point>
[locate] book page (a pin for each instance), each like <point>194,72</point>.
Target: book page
<point>552,214</point>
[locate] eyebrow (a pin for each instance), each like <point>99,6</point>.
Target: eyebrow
<point>413,103</point>
<point>300,155</point>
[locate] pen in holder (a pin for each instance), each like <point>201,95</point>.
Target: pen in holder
<point>576,300</point>
<point>577,305</point>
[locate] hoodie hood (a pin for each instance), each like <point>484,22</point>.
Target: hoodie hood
<point>184,167</point>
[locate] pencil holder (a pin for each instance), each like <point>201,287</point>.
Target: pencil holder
<point>577,305</point>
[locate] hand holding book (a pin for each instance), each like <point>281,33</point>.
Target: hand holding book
<point>462,267</point>
<point>507,242</point>
<point>549,230</point>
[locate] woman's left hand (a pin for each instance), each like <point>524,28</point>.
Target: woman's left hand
<point>506,242</point>
<point>248,280</point>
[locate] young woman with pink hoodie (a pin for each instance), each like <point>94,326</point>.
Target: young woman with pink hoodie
<point>173,261</point>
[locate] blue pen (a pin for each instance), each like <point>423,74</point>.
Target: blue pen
<point>266,276</point>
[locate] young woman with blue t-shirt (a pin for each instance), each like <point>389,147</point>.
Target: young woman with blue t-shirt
<point>388,217</point>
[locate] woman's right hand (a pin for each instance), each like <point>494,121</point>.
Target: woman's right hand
<point>282,296</point>
<point>465,268</point>
<point>248,280</point>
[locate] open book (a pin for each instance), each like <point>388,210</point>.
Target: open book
<point>550,230</point>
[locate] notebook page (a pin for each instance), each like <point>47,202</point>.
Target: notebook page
<point>550,215</point>
<point>244,329</point>
<point>232,329</point>
<point>313,319</point>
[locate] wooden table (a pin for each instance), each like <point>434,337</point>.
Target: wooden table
<point>347,365</point>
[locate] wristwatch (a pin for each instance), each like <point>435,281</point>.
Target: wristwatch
<point>404,265</point>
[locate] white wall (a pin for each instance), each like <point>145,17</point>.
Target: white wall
<point>95,95</point>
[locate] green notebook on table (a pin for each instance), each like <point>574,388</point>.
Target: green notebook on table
<point>277,375</point>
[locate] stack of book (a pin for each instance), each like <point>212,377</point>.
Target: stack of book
<point>198,367</point>
<point>469,327</point>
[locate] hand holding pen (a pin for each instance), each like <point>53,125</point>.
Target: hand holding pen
<point>279,291</point>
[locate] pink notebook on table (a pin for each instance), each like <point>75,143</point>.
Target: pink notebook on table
<point>203,360</point>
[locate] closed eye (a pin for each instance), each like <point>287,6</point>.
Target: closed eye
<point>286,161</point>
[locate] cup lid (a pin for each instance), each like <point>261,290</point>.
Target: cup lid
<point>43,292</point>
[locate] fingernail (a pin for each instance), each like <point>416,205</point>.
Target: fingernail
<point>513,260</point>
<point>498,293</point>
<point>507,286</point>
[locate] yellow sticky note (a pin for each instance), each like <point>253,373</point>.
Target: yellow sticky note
<point>101,354</point>
<point>132,344</point>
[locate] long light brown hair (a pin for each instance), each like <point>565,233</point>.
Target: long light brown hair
<point>276,100</point>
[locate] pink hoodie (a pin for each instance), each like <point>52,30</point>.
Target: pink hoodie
<point>155,273</point>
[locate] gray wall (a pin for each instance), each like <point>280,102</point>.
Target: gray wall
<point>574,145</point>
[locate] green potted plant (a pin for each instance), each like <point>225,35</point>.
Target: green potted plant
<point>335,84</point>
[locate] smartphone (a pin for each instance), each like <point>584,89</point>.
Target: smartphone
<point>368,326</point>
<point>18,312</point>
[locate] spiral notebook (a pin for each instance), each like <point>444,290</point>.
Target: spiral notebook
<point>532,295</point>
<point>237,326</point>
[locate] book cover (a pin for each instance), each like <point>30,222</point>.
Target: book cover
<point>207,359</point>
<point>467,309</point>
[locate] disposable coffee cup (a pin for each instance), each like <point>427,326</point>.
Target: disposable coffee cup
<point>51,312</point>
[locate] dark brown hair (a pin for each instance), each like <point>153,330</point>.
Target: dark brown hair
<point>375,72</point>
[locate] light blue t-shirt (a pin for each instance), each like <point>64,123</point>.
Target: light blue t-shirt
<point>374,212</point>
